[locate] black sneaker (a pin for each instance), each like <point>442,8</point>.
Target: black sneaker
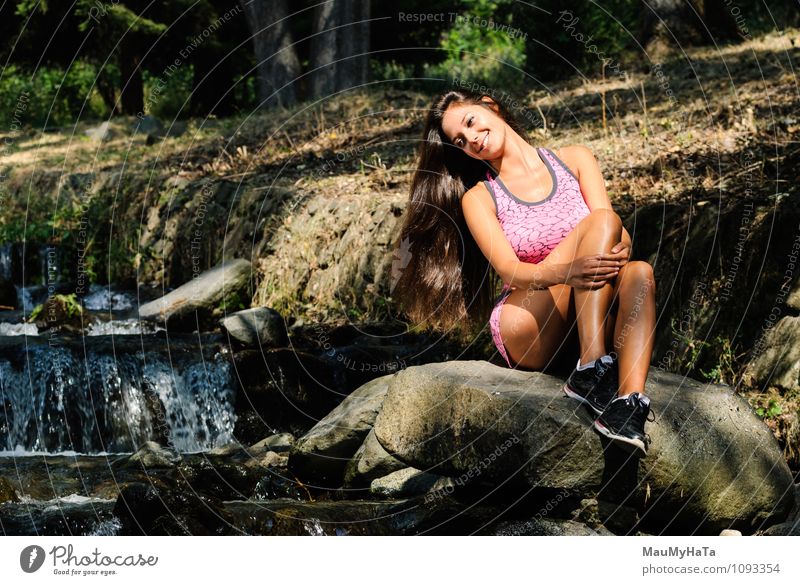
<point>623,422</point>
<point>595,386</point>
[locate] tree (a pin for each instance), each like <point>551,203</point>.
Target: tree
<point>339,46</point>
<point>685,23</point>
<point>276,58</point>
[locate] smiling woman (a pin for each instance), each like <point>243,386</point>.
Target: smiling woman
<point>485,204</point>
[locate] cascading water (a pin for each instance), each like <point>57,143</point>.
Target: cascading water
<point>101,298</point>
<point>7,261</point>
<point>70,398</point>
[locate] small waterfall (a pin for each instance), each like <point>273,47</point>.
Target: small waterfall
<point>63,398</point>
<point>198,404</point>
<point>101,298</point>
<point>7,261</point>
<point>11,329</point>
<point>30,296</point>
<point>123,327</point>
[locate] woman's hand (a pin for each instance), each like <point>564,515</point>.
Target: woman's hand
<point>595,271</point>
<point>622,246</point>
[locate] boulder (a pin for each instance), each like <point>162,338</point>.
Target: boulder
<point>202,294</point>
<point>7,491</point>
<point>546,527</point>
<point>279,443</point>
<point>713,464</point>
<point>371,461</point>
<point>64,312</point>
<point>272,451</point>
<point>152,455</point>
<point>101,132</point>
<point>256,327</point>
<point>148,125</point>
<point>409,482</point>
<point>322,454</point>
<point>777,361</point>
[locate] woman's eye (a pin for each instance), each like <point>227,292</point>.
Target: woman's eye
<point>469,122</point>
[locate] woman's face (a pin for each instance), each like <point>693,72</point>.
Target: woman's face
<point>476,130</point>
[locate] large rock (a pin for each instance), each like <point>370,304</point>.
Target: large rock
<point>256,327</point>
<point>321,455</point>
<point>371,461</point>
<point>7,492</point>
<point>202,294</point>
<point>545,527</point>
<point>410,482</point>
<point>712,464</point>
<point>153,455</point>
<point>777,361</point>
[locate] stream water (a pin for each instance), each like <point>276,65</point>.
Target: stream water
<point>72,405</point>
<point>76,407</point>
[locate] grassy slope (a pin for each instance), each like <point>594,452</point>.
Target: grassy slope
<point>357,149</point>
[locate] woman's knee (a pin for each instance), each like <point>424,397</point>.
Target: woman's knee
<point>606,217</point>
<point>638,273</point>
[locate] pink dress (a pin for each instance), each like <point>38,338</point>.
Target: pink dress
<point>534,228</point>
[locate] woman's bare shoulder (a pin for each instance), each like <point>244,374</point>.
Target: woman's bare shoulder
<point>479,194</point>
<point>575,156</point>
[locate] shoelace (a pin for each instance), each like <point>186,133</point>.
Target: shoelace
<point>633,401</point>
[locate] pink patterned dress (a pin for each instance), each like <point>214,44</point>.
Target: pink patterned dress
<point>534,228</point>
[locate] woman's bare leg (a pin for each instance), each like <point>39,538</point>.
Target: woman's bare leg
<point>602,232</point>
<point>596,233</point>
<point>634,325</point>
<point>533,322</point>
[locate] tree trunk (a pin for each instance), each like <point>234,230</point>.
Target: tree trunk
<point>671,24</point>
<point>132,90</point>
<point>323,49</point>
<point>108,91</point>
<point>278,65</point>
<point>339,47</point>
<point>211,84</point>
<point>721,20</point>
<point>353,45</point>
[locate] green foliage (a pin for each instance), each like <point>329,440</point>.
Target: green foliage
<point>390,70</point>
<point>115,16</point>
<point>24,8</point>
<point>772,410</point>
<point>50,96</point>
<point>693,346</point>
<point>725,370</point>
<point>578,36</point>
<point>232,302</point>
<point>483,46</point>
<point>167,95</point>
<point>70,303</point>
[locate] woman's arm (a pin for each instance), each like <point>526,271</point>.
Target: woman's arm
<point>585,167</point>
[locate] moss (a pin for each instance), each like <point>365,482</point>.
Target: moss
<point>69,306</point>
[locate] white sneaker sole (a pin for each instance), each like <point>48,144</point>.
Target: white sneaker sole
<point>635,446</point>
<point>572,394</point>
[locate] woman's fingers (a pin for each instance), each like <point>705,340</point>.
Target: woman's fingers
<point>621,255</point>
<point>594,282</point>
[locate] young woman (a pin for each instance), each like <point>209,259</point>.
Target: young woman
<point>483,196</point>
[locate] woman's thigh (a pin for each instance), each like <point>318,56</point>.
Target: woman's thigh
<point>534,324</point>
<point>567,249</point>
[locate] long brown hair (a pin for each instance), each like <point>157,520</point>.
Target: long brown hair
<point>443,280</point>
